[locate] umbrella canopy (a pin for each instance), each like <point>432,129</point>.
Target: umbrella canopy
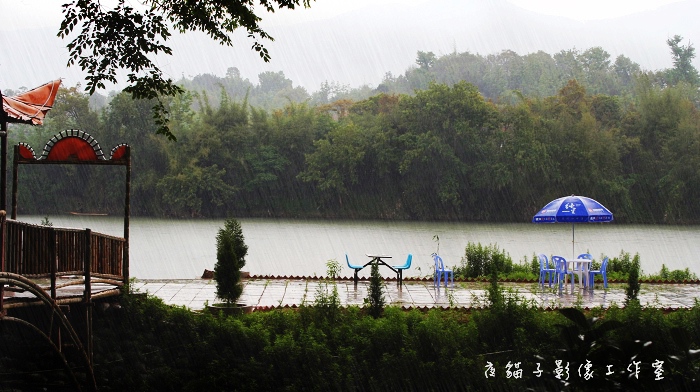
<point>28,108</point>
<point>31,107</point>
<point>573,209</point>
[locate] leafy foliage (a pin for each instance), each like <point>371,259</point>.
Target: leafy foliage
<point>145,345</point>
<point>683,70</point>
<point>327,304</point>
<point>482,260</point>
<point>672,275</point>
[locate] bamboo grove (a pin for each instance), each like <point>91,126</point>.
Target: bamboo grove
<point>448,150</point>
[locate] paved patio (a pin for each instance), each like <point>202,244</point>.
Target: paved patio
<point>280,292</point>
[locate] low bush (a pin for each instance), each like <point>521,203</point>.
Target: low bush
<point>621,264</point>
<point>478,261</point>
<point>147,346</point>
<point>672,275</point>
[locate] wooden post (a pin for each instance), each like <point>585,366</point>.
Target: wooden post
<point>3,159</point>
<point>15,183</point>
<point>53,256</point>
<point>53,259</point>
<point>127,213</point>
<point>3,251</point>
<point>87,294</point>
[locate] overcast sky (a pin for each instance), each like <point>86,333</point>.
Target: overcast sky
<point>352,54</point>
<point>590,9</point>
<point>40,13</point>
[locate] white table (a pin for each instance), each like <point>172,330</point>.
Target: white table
<point>378,259</point>
<point>582,267</point>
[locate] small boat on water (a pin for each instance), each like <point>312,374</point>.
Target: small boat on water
<point>88,213</point>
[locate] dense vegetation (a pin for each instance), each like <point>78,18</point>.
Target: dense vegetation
<point>144,345</point>
<point>479,260</point>
<point>456,148</point>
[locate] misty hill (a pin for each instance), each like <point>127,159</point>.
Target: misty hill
<point>362,46</point>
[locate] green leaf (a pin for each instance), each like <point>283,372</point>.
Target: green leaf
<point>576,316</point>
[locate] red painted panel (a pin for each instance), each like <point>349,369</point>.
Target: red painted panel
<point>119,153</point>
<point>72,149</point>
<point>25,152</point>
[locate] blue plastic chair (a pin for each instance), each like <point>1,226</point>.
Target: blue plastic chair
<point>399,268</point>
<point>603,271</point>
<point>357,268</point>
<point>442,273</point>
<point>545,270</point>
<point>562,269</point>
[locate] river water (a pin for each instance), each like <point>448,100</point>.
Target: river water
<point>182,249</point>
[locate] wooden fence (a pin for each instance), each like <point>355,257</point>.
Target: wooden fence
<point>36,251</point>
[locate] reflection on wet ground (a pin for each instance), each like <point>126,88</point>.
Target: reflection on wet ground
<point>272,293</point>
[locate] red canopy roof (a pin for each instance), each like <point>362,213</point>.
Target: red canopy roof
<point>31,107</point>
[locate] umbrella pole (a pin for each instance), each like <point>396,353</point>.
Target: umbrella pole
<point>573,240</point>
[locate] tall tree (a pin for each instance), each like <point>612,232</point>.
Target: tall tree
<point>124,38</point>
<point>425,60</point>
<point>683,70</point>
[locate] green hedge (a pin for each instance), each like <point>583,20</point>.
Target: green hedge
<point>147,346</point>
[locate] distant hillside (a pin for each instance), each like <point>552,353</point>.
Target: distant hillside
<point>361,47</point>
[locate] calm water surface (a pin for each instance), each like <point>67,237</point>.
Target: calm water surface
<point>177,249</point>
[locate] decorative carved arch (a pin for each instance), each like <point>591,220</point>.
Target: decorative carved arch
<point>119,152</point>
<point>26,151</point>
<point>72,145</point>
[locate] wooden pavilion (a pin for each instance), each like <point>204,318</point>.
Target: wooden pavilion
<point>65,270</point>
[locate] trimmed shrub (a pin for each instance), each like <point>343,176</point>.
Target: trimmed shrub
<point>375,297</point>
<point>230,258</point>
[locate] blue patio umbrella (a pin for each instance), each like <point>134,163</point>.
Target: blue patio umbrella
<point>573,209</point>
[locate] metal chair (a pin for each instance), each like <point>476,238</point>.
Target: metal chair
<point>399,268</point>
<point>562,269</point>
<point>602,271</point>
<point>545,270</point>
<point>357,268</point>
<point>441,272</point>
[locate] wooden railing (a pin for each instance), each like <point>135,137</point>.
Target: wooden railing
<point>38,251</point>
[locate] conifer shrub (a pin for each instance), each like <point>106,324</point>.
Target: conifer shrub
<point>230,259</point>
<point>633,285</point>
<point>375,297</point>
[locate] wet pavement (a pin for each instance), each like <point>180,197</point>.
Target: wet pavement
<point>264,293</point>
